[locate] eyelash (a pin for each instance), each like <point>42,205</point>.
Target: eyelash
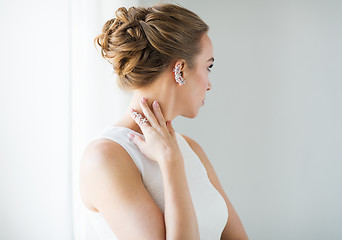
<point>210,67</point>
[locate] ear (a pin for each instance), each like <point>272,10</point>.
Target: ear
<point>180,62</point>
<point>178,70</point>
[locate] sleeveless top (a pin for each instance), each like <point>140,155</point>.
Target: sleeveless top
<point>210,207</point>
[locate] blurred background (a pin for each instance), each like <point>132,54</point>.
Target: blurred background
<point>271,125</point>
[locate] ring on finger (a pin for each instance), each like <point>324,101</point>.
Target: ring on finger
<point>142,121</point>
<point>136,114</point>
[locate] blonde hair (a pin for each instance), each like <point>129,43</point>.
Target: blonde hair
<point>141,43</point>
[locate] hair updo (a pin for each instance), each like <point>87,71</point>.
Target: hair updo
<point>142,42</point>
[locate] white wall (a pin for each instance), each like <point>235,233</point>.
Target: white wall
<point>35,184</point>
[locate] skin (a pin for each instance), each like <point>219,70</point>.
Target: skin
<point>185,100</point>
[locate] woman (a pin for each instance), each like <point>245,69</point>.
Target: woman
<point>140,179</point>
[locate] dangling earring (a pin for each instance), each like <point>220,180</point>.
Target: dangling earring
<point>178,75</point>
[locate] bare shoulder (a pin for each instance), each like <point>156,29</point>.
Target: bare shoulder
<point>103,153</point>
<point>234,228</point>
<point>99,151</point>
<point>111,183</point>
<point>103,157</point>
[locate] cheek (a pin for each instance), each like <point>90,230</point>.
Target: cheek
<point>201,76</point>
<point>199,82</point>
<point>203,79</point>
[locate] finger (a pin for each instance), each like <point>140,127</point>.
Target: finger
<point>137,140</point>
<point>158,113</point>
<point>140,120</point>
<point>148,113</point>
<point>170,128</point>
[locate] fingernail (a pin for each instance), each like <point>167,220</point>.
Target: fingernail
<point>130,136</point>
<point>155,103</point>
<point>143,99</point>
<point>133,113</point>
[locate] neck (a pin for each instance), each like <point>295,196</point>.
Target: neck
<point>164,91</point>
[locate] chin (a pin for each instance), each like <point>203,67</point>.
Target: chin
<point>191,114</point>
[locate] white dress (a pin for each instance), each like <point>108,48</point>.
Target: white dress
<point>210,207</point>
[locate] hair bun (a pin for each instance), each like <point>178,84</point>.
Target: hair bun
<point>141,42</point>
<point>132,14</point>
<point>121,15</point>
<point>122,40</point>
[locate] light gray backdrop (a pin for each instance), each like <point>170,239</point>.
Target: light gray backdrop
<point>271,125</point>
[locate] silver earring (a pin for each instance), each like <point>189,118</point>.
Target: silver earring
<point>178,75</point>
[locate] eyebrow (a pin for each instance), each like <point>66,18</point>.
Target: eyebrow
<point>211,59</point>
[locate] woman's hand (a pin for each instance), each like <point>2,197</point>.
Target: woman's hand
<point>160,139</point>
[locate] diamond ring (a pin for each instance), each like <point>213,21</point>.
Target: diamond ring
<point>141,119</point>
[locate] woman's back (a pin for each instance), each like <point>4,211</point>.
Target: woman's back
<point>142,208</point>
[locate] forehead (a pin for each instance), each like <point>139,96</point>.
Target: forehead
<point>206,48</point>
